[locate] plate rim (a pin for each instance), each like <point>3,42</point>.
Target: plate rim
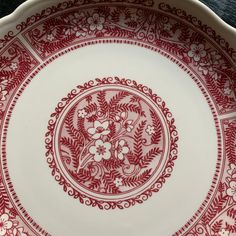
<point>27,4</point>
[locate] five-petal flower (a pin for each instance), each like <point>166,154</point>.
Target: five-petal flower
<point>118,182</point>
<point>50,37</point>
<point>150,130</point>
<point>99,129</point>
<point>96,22</point>
<point>14,66</point>
<point>82,113</point>
<point>5,224</point>
<point>197,52</point>
<point>227,91</point>
<point>101,150</point>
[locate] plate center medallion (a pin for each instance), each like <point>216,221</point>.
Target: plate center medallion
<point>111,142</point>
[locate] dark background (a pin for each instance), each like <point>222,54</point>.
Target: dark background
<point>226,9</point>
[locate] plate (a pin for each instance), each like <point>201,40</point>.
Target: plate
<point>117,117</point>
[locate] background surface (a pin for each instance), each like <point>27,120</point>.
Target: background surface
<point>226,9</point>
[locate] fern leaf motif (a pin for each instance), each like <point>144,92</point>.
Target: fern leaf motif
<point>138,149</point>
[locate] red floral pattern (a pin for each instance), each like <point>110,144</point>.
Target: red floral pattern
<point>16,62</point>
<point>110,152</point>
<point>59,8</point>
<point>10,222</point>
<point>215,71</point>
<point>158,29</point>
<point>220,217</point>
<point>111,142</point>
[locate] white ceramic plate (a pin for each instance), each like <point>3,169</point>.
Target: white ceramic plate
<point>117,117</point>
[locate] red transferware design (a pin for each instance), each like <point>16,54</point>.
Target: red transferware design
<point>112,143</point>
<point>157,29</point>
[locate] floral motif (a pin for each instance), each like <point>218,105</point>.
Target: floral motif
<point>101,150</point>
<point>5,224</point>
<point>172,35</point>
<point>82,113</point>
<point>231,191</point>
<point>19,232</point>
<point>209,65</point>
<point>112,142</point>
<point>15,63</point>
<point>121,116</point>
<point>118,182</point>
<point>50,37</point>
<point>220,214</point>
<point>206,68</point>
<point>75,18</point>
<point>99,129</point>
<point>13,66</point>
<point>215,57</point>
<point>215,76</point>
<point>96,22</point>
<point>80,32</point>
<point>108,152</point>
<point>227,90</point>
<point>167,26</point>
<point>150,130</point>
<point>197,52</point>
<point>121,149</point>
<point>77,21</point>
<point>129,125</point>
<point>232,170</point>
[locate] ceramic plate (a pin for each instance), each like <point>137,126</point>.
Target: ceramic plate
<point>117,118</point>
